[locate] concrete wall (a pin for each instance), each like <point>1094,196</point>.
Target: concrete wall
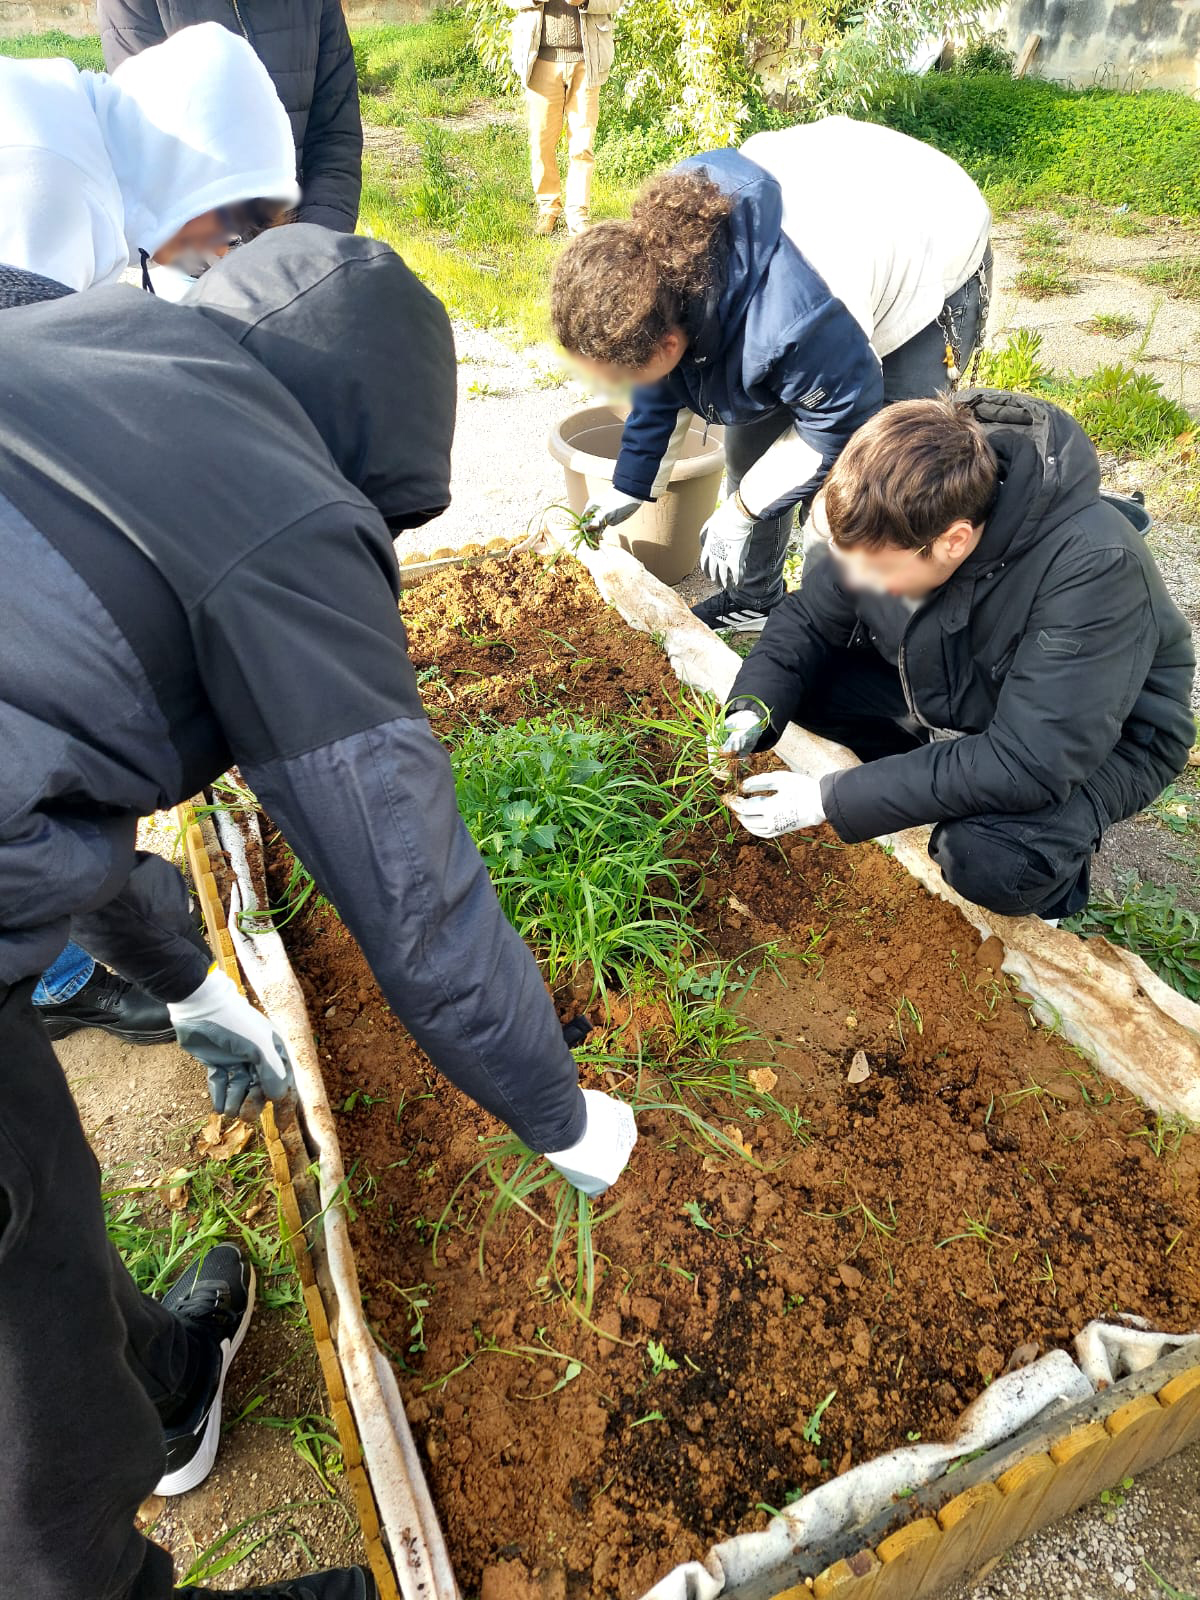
<point>79,16</point>
<point>1126,44</point>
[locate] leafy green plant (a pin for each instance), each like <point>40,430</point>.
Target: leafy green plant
<point>1148,920</point>
<point>1044,281</point>
<point>1177,808</point>
<point>660,1361</point>
<point>1113,1499</point>
<point>1110,324</point>
<point>1017,364</point>
<point>811,1432</point>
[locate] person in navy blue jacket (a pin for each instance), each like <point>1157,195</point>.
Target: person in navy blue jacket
<point>704,301</point>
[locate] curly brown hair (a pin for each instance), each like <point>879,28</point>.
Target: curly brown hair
<point>618,288</point>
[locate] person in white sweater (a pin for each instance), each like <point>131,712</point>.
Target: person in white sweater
<point>785,290</point>
<point>182,150</point>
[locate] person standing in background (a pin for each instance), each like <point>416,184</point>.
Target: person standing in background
<point>562,51</point>
<point>305,46</point>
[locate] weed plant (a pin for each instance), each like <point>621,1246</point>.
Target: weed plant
<point>1123,411</point>
<point>582,841</point>
<point>1148,920</point>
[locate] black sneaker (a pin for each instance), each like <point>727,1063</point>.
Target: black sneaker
<point>215,1297</point>
<point>339,1583</point>
<point>108,1002</point>
<point>724,615</point>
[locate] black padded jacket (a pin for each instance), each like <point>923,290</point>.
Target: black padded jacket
<point>192,580</point>
<point>1054,655</point>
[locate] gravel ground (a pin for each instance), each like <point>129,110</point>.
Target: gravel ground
<point>1104,1552</point>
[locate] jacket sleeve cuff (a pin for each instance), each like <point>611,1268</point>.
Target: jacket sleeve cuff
<point>327,217</point>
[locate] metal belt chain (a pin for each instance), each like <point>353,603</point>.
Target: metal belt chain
<point>953,333</point>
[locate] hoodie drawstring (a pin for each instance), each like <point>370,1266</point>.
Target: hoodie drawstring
<point>146,283</point>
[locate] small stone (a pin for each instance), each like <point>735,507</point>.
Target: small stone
<point>850,1276</point>
<point>852,1021</point>
<point>977,1143</point>
<point>860,1071</point>
<point>762,1079</point>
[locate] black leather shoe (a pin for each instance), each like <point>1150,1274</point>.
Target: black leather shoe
<point>340,1583</point>
<point>108,1002</point>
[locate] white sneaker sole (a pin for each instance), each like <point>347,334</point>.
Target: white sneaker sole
<point>742,622</point>
<point>193,1473</point>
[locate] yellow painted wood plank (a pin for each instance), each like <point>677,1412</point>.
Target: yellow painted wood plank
<point>1081,1461</point>
<point>906,1556</point>
<point>331,1368</point>
<point>343,1421</point>
<point>851,1579</point>
<point>1181,1400</point>
<point>1023,1487</point>
<point>1138,1431</point>
<point>368,1516</point>
<point>968,1524</point>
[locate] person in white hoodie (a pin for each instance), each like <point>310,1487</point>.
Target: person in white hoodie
<point>182,150</point>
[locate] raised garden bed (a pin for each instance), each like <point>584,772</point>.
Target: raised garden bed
<point>838,1269</point>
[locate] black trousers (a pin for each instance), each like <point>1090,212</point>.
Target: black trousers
<point>1036,864</point>
<point>86,1360</point>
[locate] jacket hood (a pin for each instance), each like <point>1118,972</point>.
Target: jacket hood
<point>363,346</point>
<point>189,125</point>
<point>62,214</point>
<point>1049,472</point>
<point>751,238</point>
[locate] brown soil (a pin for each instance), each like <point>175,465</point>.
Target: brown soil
<point>968,1112</point>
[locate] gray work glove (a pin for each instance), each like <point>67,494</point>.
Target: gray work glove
<point>246,1060</point>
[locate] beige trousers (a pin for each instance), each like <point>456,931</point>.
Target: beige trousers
<point>555,92</point>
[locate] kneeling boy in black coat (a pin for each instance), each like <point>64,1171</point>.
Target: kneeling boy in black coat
<point>992,639</point>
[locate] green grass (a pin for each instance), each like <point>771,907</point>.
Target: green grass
<point>1180,277</point>
<point>581,841</point>
<point>1111,324</point>
<point>227,1201</point>
<point>83,52</point>
<point>1045,281</point>
<point>421,69</point>
<point>1028,141</point>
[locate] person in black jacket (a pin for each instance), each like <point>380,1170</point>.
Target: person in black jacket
<point>199,503</point>
<point>990,637</point>
<point>305,46</point>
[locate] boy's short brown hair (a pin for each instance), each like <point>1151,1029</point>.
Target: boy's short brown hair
<point>910,472</point>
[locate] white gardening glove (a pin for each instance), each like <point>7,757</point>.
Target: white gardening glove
<point>596,1161</point>
<point>778,802</point>
<point>608,510</point>
<point>246,1059</point>
<point>723,542</point>
<point>742,732</point>
<point>739,733</point>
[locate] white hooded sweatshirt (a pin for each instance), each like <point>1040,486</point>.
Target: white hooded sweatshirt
<point>95,168</point>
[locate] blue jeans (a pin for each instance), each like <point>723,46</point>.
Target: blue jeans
<point>64,978</point>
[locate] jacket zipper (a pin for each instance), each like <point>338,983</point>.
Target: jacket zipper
<point>909,698</point>
<point>237,11</point>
